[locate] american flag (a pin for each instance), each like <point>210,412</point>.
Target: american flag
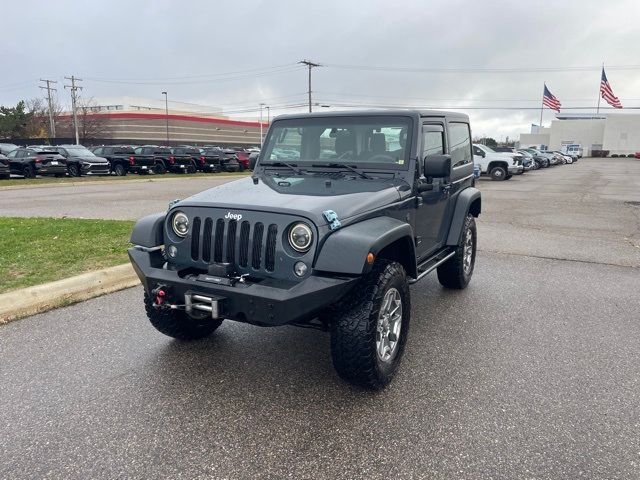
<point>549,100</point>
<point>607,93</point>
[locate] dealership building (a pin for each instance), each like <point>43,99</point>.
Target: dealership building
<point>618,133</point>
<point>132,120</point>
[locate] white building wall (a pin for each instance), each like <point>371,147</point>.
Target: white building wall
<point>534,139</point>
<point>622,134</point>
<point>588,133</point>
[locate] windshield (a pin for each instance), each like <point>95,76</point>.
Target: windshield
<point>79,152</point>
<point>377,141</point>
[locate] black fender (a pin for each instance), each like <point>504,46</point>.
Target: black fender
<point>346,250</point>
<point>148,231</point>
<point>468,201</point>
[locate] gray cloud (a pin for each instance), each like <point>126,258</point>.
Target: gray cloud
<point>152,41</point>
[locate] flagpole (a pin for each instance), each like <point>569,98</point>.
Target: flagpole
<point>542,105</point>
<point>599,86</point>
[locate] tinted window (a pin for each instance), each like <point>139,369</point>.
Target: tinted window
<point>97,151</point>
<point>12,154</point>
<point>459,143</point>
<point>432,140</point>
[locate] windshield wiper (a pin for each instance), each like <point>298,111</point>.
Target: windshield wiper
<point>282,164</point>
<point>348,167</point>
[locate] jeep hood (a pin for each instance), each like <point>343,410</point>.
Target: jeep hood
<point>302,196</point>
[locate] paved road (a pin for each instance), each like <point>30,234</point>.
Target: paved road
<point>532,372</point>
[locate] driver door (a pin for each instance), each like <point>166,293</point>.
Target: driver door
<point>432,204</point>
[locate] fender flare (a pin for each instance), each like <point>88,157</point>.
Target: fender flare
<point>346,250</point>
<point>469,201</point>
<point>148,231</point>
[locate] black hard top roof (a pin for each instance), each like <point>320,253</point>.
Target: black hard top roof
<point>377,113</point>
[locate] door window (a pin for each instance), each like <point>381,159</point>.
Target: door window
<point>432,140</point>
<point>459,143</point>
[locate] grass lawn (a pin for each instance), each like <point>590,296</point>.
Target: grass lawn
<point>39,250</point>
<point>107,178</point>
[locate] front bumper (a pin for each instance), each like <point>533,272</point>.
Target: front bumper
<point>516,169</point>
<point>268,302</point>
<point>95,169</point>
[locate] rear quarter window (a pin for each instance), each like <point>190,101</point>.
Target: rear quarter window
<point>459,143</point>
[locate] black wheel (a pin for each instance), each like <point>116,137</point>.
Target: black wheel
<point>241,168</point>
<point>177,324</point>
<point>498,173</point>
<point>192,168</point>
<point>508,177</point>
<point>74,170</point>
<point>119,170</point>
<point>370,326</point>
<point>28,172</point>
<point>456,272</point>
<point>159,168</point>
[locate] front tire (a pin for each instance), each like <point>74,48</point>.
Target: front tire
<point>370,326</point>
<point>28,172</point>
<point>159,168</point>
<point>498,173</point>
<point>74,170</point>
<point>119,170</point>
<point>177,324</point>
<point>456,272</point>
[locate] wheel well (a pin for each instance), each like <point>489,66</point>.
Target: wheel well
<point>403,252</point>
<point>504,165</point>
<point>476,207</point>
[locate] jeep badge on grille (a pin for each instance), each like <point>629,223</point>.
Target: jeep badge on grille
<point>233,216</point>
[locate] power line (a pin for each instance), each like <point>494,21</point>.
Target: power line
<point>74,88</point>
<point>480,69</point>
<point>49,89</point>
<point>309,65</point>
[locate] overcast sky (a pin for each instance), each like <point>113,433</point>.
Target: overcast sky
<point>236,54</point>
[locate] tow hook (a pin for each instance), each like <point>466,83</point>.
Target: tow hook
<point>159,293</point>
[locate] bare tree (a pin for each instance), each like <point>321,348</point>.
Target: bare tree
<point>37,125</point>
<point>91,124</point>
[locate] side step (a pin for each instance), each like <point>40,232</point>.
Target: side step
<point>432,263</point>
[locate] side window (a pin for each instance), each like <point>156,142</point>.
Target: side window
<point>432,140</point>
<point>477,151</point>
<point>98,151</point>
<point>12,154</point>
<point>459,144</point>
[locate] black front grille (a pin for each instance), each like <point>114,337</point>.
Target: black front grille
<point>244,244</point>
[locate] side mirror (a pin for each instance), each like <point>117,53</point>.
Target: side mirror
<point>253,159</point>
<point>437,166</point>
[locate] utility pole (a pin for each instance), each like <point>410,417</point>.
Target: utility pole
<point>309,65</point>
<point>261,105</point>
<point>268,115</point>
<point>49,89</point>
<point>74,88</point>
<point>166,112</point>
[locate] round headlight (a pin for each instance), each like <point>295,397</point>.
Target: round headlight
<point>180,224</point>
<point>300,237</point>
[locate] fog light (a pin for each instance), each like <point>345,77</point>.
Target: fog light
<point>300,269</point>
<point>172,251</point>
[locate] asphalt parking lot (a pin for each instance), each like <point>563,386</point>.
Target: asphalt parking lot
<point>531,372</point>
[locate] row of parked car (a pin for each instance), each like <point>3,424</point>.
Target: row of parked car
<point>502,163</point>
<point>77,160</point>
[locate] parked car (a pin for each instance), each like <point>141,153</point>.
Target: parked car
<point>81,161</point>
<point>228,159</point>
<point>243,158</point>
<point>567,159</point>
<point>192,152</point>
<point>209,160</point>
<point>541,161</point>
<point>165,161</point>
<point>637,154</point>
<point>30,162</point>
<point>123,159</point>
<point>7,147</point>
<point>499,166</point>
<point>527,162</point>
<point>335,246</point>
<point>4,167</point>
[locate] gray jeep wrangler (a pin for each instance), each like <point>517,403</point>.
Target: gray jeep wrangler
<point>342,213</point>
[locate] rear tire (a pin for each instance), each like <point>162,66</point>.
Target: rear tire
<point>177,324</point>
<point>28,172</point>
<point>370,326</point>
<point>456,272</point>
<point>498,173</point>
<point>192,168</point>
<point>159,168</point>
<point>119,170</point>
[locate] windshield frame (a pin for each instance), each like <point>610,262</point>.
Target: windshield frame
<point>331,121</point>
<point>73,152</point>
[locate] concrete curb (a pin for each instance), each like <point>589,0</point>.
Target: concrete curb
<point>40,298</point>
<point>110,182</point>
